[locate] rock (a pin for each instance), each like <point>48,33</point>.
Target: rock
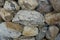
<point>1,2</point>
<point>52,32</point>
<point>28,4</point>
<point>52,18</point>
<point>6,16</point>
<point>58,37</point>
<point>41,34</point>
<point>9,29</point>
<point>56,5</point>
<point>30,31</point>
<point>44,6</point>
<point>27,17</point>
<point>11,6</point>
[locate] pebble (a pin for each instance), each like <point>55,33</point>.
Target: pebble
<point>1,3</point>
<point>11,6</point>
<point>28,17</point>
<point>52,18</point>
<point>9,29</point>
<point>30,31</point>
<point>44,6</point>
<point>55,4</point>
<point>52,32</point>
<point>6,16</point>
<point>28,4</point>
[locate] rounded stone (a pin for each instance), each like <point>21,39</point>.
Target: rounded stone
<point>28,17</point>
<point>28,4</point>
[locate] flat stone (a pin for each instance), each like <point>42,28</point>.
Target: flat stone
<point>28,17</point>
<point>30,31</point>
<point>28,4</point>
<point>52,32</point>
<point>1,2</point>
<point>11,6</point>
<point>44,6</point>
<point>9,29</point>
<point>56,5</point>
<point>52,18</point>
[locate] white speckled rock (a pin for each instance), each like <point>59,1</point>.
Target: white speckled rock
<point>11,6</point>
<point>52,32</point>
<point>30,31</point>
<point>6,16</point>
<point>28,4</point>
<point>9,29</point>
<point>27,17</point>
<point>1,2</point>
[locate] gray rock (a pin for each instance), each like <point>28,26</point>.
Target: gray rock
<point>28,4</point>
<point>2,2</point>
<point>58,37</point>
<point>44,6</point>
<point>41,34</point>
<point>27,17</point>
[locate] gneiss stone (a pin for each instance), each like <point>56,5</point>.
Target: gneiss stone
<point>11,6</point>
<point>56,4</point>
<point>6,16</point>
<point>27,17</point>
<point>30,31</point>
<point>52,32</point>
<point>41,34</point>
<point>1,2</point>
<point>57,37</point>
<point>28,4</point>
<point>52,18</point>
<point>44,6</point>
<point>9,29</point>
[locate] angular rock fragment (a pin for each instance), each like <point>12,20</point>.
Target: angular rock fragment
<point>6,16</point>
<point>41,34</point>
<point>9,29</point>
<point>56,4</point>
<point>28,4</point>
<point>27,17</point>
<point>52,32</point>
<point>11,6</point>
<point>52,18</point>
<point>30,31</point>
<point>2,2</point>
<point>44,6</point>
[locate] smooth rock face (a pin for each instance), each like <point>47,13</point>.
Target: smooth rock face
<point>52,32</point>
<point>58,37</point>
<point>1,2</point>
<point>27,17</point>
<point>41,34</point>
<point>30,31</point>
<point>9,29</point>
<point>6,16</point>
<point>28,4</point>
<point>11,6</point>
<point>44,6</point>
<point>56,4</point>
<point>52,18</point>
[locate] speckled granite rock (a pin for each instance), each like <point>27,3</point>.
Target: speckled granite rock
<point>27,17</point>
<point>9,29</point>
<point>41,34</point>
<point>52,18</point>
<point>52,32</point>
<point>30,31</point>
<point>11,6</point>
<point>28,4</point>
<point>1,2</point>
<point>56,4</point>
<point>44,6</point>
<point>6,16</point>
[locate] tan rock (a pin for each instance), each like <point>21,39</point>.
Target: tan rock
<point>6,16</point>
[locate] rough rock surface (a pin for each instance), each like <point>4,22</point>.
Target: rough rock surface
<point>1,2</point>
<point>9,29</point>
<point>30,31</point>
<point>27,17</point>
<point>28,4</point>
